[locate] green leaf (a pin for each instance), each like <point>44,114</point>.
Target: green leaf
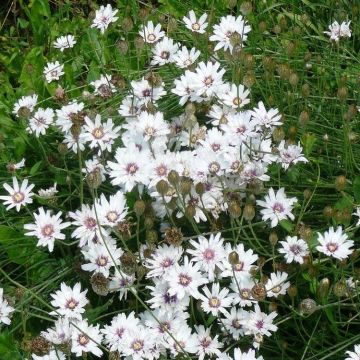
<point>8,346</point>
<point>287,225</point>
<point>356,189</point>
<point>308,140</point>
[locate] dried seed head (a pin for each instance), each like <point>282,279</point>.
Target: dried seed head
<point>249,212</point>
<point>307,306</point>
<point>152,236</point>
<point>124,228</point>
<point>173,236</point>
<point>100,284</point>
<point>258,291</point>
<point>340,183</point>
<point>340,289</point>
<point>190,211</point>
<point>40,346</point>
<point>234,208</point>
<point>94,179</point>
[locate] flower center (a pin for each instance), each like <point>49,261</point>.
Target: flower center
<point>71,304</point>
<point>245,293</point>
<point>184,279</point>
<point>332,247</point>
<point>137,345</point>
<point>102,260</point>
<point>205,342</point>
<point>195,26</point>
<point>208,80</point>
<point>53,73</point>
<point>83,340</point>
<point>119,332</point>
<point>161,170</point>
<point>187,62</point>
<point>150,131</point>
<point>90,223</point>
<point>278,208</point>
<point>165,55</point>
<point>259,324</point>
<point>237,101</point>
<point>98,133</point>
<point>47,230</point>
<point>164,327</point>
<point>132,168</point>
<point>236,324</point>
<point>146,93</point>
<point>214,167</point>
<point>112,216</point>
<point>209,254</point>
<point>167,263</point>
<point>18,197</point>
<point>168,299</point>
<point>239,266</point>
<point>295,249</point>
<point>214,302</point>
<point>151,37</point>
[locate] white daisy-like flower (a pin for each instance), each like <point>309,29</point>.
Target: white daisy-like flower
<point>18,195</point>
<point>131,168</point>
<point>230,30</point>
<point>184,87</point>
<point>60,334</point>
<point>242,286</point>
<point>41,121</point>
<point>112,211</point>
<point>354,355</point>
<point>47,228</point>
<point>100,259</point>
<point>335,243</point>
<point>290,154</point>
<point>185,58</point>
<point>69,302</point>
<point>277,206</point>
<point>185,338</point>
<point>53,71</point>
<point>357,213</point>
<point>104,17</point>
<point>11,167</point>
<point>206,344</point>
<point>208,253</point>
<point>146,93</point>
<point>66,114</point>
<point>266,119</point>
<point>122,283</point>
<point>163,260</point>
<point>151,34</point>
<point>234,321</point>
<point>249,355</point>
<point>337,31</point>
<point>259,322</point>
<point>152,125</point>
<point>234,96</point>
<point>26,102</point>
<point>52,355</point>
<point>99,134</point>
<point>103,86</point>
<point>86,338</point>
<point>5,309</point>
<point>277,284</point>
<point>194,24</point>
<point>164,51</point>
<point>185,279</point>
<point>49,192</point>
<point>215,301</point>
<point>94,166</point>
<point>294,249</point>
<point>64,42</point>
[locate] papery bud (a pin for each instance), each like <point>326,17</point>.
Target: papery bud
<point>124,228</point>
<point>234,209</point>
<point>24,112</point>
<point>190,108</point>
<point>200,188</point>
<point>62,149</point>
<point>60,94</point>
<point>292,291</point>
<point>342,93</point>
<point>162,187</point>
<point>139,43</point>
<point>305,91</point>
<point>139,207</point>
<point>123,46</point>
<point>127,24</point>
<point>278,134</point>
<point>185,186</point>
<point>328,212</point>
<point>304,117</point>
<point>273,238</point>
<point>152,236</point>
<point>190,211</point>
<point>293,79</point>
<point>323,288</point>
<point>249,212</point>
<point>340,183</point>
<point>233,258</point>
<point>173,177</point>
<point>340,289</point>
<point>273,306</point>
<point>307,306</point>
<point>262,26</point>
<point>40,346</point>
<point>94,179</point>
<point>149,222</point>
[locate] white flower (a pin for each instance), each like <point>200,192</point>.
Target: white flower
<point>86,338</point>
<point>100,135</point>
<point>93,166</point>
<point>233,322</point>
<point>277,206</point>
<point>185,58</point>
<point>64,42</point>
<point>357,213</point>
<point>162,260</point>
<point>354,355</point>
<point>146,93</point>
<point>151,34</point>
<point>27,102</point>
<point>335,243</point>
<point>5,309</point>
<point>249,355</point>
<point>242,287</point>
<point>235,96</point>
<point>184,87</point>
<point>291,154</point>
<point>13,167</point>
<point>207,345</point>
<point>230,30</point>
<point>195,25</point>
<point>185,342</point>
<point>48,193</point>
<point>112,211</point>
<point>123,283</point>
<point>120,325</point>
<point>66,114</point>
<point>164,51</point>
<point>40,121</point>
<point>294,249</point>
<point>47,228</point>
<point>131,168</point>
<point>185,279</point>
<point>208,253</point>
<point>60,334</point>
<point>266,119</point>
<point>53,71</point>
<point>103,86</point>
<point>104,17</point>
<point>217,300</point>
<point>277,284</point>
<point>52,355</point>
<point>259,322</point>
<point>18,195</point>
<point>338,31</point>
<point>69,302</point>
<point>152,125</point>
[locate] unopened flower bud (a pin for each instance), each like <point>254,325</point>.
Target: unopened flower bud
<point>62,149</point>
<point>162,187</point>
<point>94,179</point>
<point>328,212</point>
<point>234,209</point>
<point>340,289</point>
<point>151,236</point>
<point>249,212</point>
<point>304,117</point>
<point>262,26</point>
<point>139,207</point>
<point>307,306</point>
<point>342,93</point>
<point>340,183</point>
<point>200,188</point>
<point>185,186</point>
<point>273,306</point>
<point>173,177</point>
<point>292,291</point>
<point>233,258</point>
<point>293,79</point>
<point>278,134</point>
<point>273,238</point>
<point>190,211</point>
<point>149,222</point>
<point>323,288</point>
